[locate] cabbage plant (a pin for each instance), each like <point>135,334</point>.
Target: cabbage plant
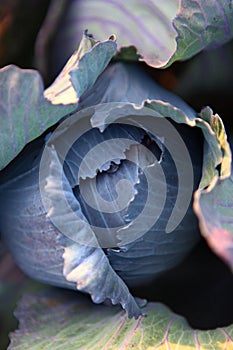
<point>110,180</point>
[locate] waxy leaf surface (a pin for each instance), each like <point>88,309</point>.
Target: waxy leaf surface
<point>156,32</point>
<point>71,321</point>
<point>26,110</point>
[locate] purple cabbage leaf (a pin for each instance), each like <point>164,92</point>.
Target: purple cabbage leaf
<point>158,33</point>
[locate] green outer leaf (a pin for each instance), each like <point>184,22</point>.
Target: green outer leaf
<point>218,128</point>
<point>214,210</point>
<point>201,24</point>
<point>216,148</point>
<point>213,206</point>
<point>81,70</point>
<point>66,321</point>
<point>26,111</point>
